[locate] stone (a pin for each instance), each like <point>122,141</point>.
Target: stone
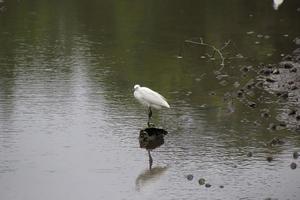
<point>293,165</point>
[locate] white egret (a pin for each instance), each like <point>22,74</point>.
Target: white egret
<point>277,3</point>
<point>150,99</point>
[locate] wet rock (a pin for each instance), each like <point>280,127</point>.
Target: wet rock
<point>223,82</point>
<point>265,72</point>
<point>275,71</point>
<point>297,40</point>
<point>270,80</point>
<point>269,158</point>
<point>252,104</point>
<point>288,65</point>
<point>207,185</point>
<point>292,112</point>
<point>285,95</point>
<point>240,93</point>
<point>259,36</point>
<point>246,69</point>
<point>249,154</point>
<point>190,177</point>
<point>282,124</point>
<point>265,113</point>
<point>298,117</point>
<point>272,126</point>
<point>201,181</point>
<point>287,58</point>
<point>276,141</point>
<point>294,87</point>
<point>236,84</point>
<point>296,155</point>
<point>259,84</point>
<point>293,165</point>
<point>293,70</point>
<point>212,93</point>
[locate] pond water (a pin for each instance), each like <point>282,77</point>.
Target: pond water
<point>69,123</point>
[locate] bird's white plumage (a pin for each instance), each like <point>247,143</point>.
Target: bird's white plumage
<point>149,98</point>
<point>277,3</point>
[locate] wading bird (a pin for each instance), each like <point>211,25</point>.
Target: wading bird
<point>150,99</point>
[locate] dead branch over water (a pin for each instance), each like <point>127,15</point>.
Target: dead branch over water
<point>202,43</point>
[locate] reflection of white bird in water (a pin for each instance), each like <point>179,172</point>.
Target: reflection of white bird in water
<point>151,138</point>
<point>149,98</point>
<point>277,3</point>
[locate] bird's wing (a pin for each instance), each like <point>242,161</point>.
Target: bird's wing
<point>152,97</point>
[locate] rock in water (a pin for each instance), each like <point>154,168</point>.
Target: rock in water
<point>201,181</point>
<point>151,138</point>
<point>293,165</point>
<point>190,177</point>
<point>207,185</point>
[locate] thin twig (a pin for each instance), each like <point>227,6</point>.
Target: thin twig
<point>213,47</point>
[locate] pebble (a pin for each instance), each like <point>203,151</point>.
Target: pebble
<point>293,70</point>
<point>221,186</point>
<point>293,165</point>
<point>236,84</point>
<point>272,126</point>
<point>294,87</point>
<point>207,185</point>
<point>252,104</point>
<point>212,93</point>
<point>292,112</point>
<point>270,80</point>
<point>275,71</point>
<point>265,115</point>
<point>288,65</point>
<point>190,177</point>
<point>201,181</point>
<point>240,93</point>
<point>296,155</point>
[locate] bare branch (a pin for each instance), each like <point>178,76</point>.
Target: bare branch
<point>213,47</point>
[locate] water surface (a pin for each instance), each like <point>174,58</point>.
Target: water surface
<point>69,123</point>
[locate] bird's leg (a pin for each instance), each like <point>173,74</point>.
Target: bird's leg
<point>149,117</point>
<point>150,160</point>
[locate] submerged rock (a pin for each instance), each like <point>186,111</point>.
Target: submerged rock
<point>296,155</point>
<point>249,154</point>
<point>207,185</point>
<point>201,181</point>
<point>292,112</point>
<point>275,141</point>
<point>190,177</point>
<point>293,165</point>
<point>252,104</point>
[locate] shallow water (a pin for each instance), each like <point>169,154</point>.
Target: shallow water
<point>69,124</point>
